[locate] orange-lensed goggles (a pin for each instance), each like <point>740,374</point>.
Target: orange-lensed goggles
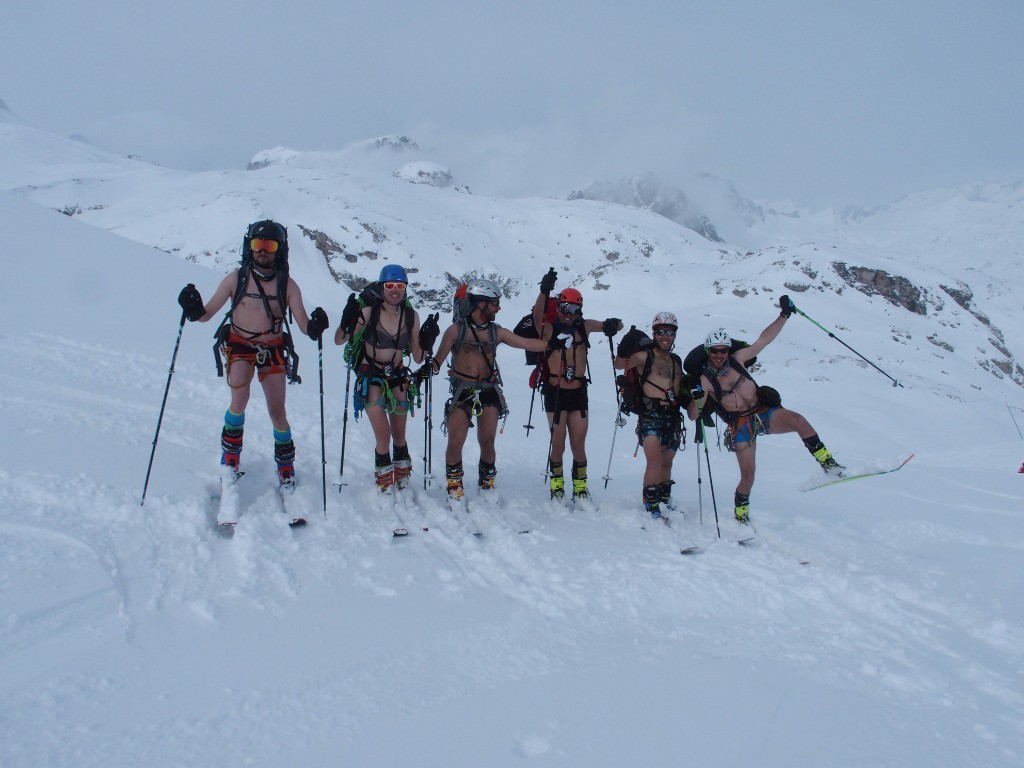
<point>270,246</point>
<point>391,285</point>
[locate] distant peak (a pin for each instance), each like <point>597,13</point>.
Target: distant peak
<point>393,143</point>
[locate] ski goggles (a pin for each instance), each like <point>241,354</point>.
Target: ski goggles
<point>393,285</point>
<point>664,332</point>
<point>569,309</point>
<point>718,351</point>
<point>258,244</point>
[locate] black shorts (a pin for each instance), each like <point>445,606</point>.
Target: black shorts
<point>565,400</point>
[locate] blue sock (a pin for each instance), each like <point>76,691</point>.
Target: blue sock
<point>282,435</point>
<point>234,420</point>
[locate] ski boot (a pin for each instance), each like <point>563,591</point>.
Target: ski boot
<point>579,481</point>
<point>651,501</point>
<point>488,473</point>
<point>557,484</point>
<point>453,474</point>
<point>828,464</point>
<point>384,472</point>
<point>742,510</point>
<point>403,467</point>
<point>665,496</point>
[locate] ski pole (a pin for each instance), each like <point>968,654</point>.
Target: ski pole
<point>529,419</point>
<point>554,420</point>
<point>700,438</point>
<point>895,383</point>
<point>620,420</point>
<point>344,428</point>
<point>428,427</point>
<point>163,404</point>
<point>711,482</point>
<point>1014,420</point>
<point>323,444</point>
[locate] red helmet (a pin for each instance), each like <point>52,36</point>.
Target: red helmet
<point>571,296</point>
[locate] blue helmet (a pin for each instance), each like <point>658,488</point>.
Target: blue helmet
<point>393,273</point>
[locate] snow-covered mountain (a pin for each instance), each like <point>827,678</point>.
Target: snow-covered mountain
<point>876,623</point>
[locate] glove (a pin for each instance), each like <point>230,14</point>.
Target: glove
<point>372,294</point>
<point>424,372</point>
<point>429,331</point>
<point>191,302</point>
<point>556,342</point>
<point>317,324</point>
<point>787,306</point>
<point>547,283</point>
<point>350,314</point>
<point>611,326</point>
<point>697,392</point>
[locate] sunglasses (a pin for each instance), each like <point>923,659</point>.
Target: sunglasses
<point>270,246</point>
<point>569,309</point>
<point>664,332</point>
<point>718,351</point>
<point>391,286</point>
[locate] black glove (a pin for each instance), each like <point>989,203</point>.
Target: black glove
<point>317,324</point>
<point>429,331</point>
<point>547,283</point>
<point>350,315</point>
<point>611,326</point>
<point>372,294</point>
<point>424,372</point>
<point>787,306</point>
<point>556,342</point>
<point>191,302</point>
<point>697,392</point>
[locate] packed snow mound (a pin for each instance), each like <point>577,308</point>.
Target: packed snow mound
<point>433,174</point>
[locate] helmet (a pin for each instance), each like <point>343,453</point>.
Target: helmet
<point>570,296</point>
<point>664,318</point>
<point>393,273</point>
<point>480,290</point>
<point>719,338</point>
<point>266,230</point>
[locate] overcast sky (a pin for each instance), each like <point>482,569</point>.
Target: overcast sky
<point>818,101</point>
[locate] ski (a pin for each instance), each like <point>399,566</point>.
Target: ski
<point>230,499</point>
<point>854,474</point>
<point>292,503</point>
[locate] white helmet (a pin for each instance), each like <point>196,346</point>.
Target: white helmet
<point>665,318</point>
<point>719,338</point>
<point>480,289</point>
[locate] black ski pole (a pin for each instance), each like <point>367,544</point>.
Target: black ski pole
<point>344,428</point>
<point>163,404</point>
<point>323,444</point>
<point>711,481</point>
<point>554,420</point>
<point>428,427</point>
<point>529,419</point>
<point>700,437</point>
<point>895,383</point>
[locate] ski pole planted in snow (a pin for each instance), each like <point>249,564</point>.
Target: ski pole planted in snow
<point>160,418</point>
<point>344,428</point>
<point>323,445</point>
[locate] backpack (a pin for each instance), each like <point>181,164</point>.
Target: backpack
<point>372,296</point>
<point>244,273</point>
<point>461,308</point>
<point>528,330</point>
<point>630,383</point>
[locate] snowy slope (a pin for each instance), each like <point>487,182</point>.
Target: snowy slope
<point>138,635</point>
